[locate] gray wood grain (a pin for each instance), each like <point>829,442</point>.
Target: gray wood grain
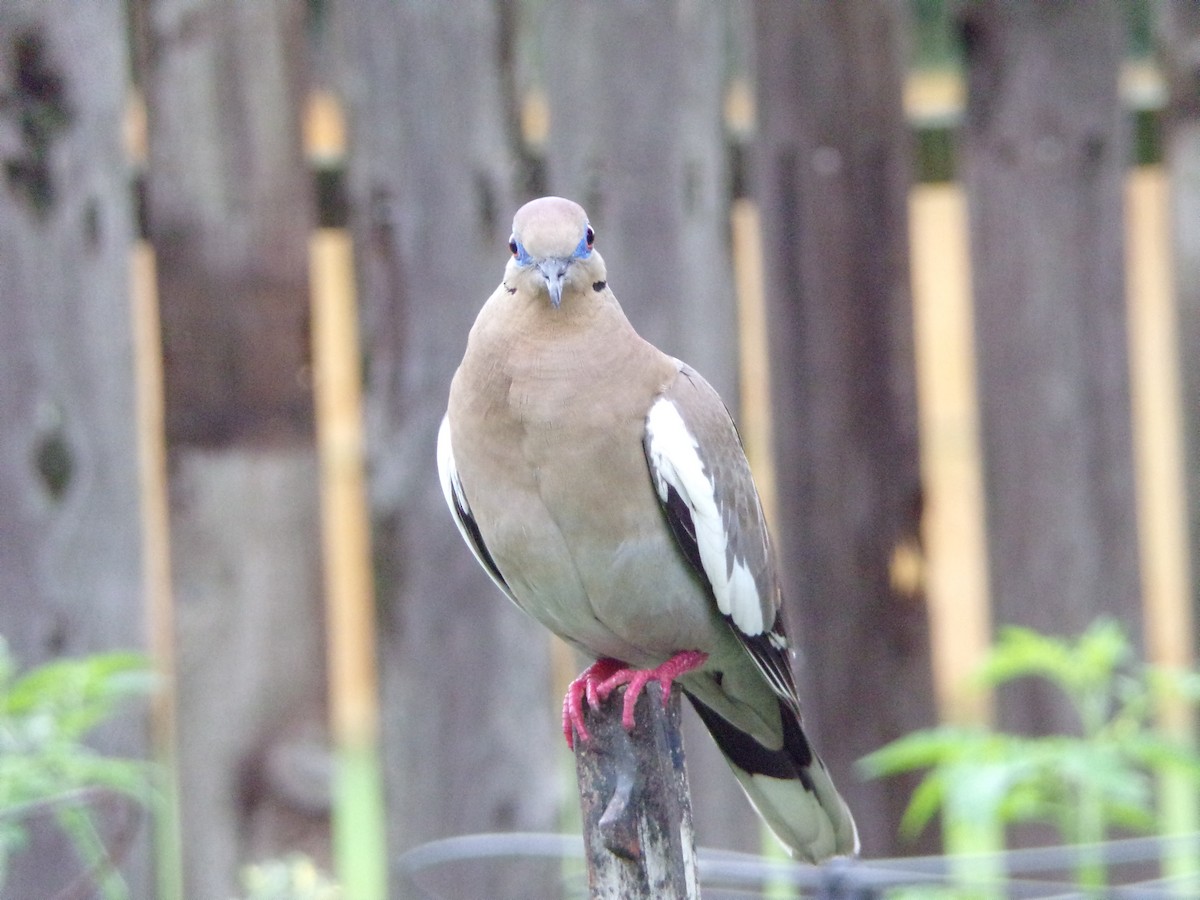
<point>832,179</point>
<point>637,136</point>
<point>229,208</point>
<point>1044,152</point>
<point>70,538</point>
<point>470,724</point>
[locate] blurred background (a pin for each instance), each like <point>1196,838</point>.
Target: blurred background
<point>941,259</point>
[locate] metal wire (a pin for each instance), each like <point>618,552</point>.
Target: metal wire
<point>844,879</point>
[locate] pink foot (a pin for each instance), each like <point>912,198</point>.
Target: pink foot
<point>603,677</point>
<point>584,687</point>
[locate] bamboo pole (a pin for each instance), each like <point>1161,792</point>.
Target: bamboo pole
<point>1156,388</point>
<point>755,375</point>
<point>358,820</point>
<point>156,562</point>
<point>359,841</point>
<point>154,498</point>
<point>951,467</point>
<point>1157,391</point>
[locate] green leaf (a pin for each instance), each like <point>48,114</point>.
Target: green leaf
<point>45,715</point>
<point>1167,683</point>
<point>926,800</point>
<point>1101,650</point>
<point>79,693</point>
<point>1022,652</point>
<point>920,750</point>
<point>1077,667</point>
<point>1084,785</point>
<point>1153,751</point>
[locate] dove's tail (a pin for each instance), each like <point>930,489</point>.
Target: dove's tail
<point>789,786</point>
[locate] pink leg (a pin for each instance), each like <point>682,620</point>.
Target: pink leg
<point>604,676</point>
<point>637,679</point>
<point>584,688</point>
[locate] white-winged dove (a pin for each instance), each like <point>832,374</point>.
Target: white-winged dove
<point>602,485</point>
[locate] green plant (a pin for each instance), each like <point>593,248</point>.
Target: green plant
<point>45,766</point>
<point>1083,785</point>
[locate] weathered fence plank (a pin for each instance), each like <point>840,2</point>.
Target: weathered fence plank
<point>70,543</point>
<point>469,724</point>
<point>1043,159</point>
<point>637,814</point>
<point>230,211</point>
<point>655,178</point>
<point>833,172</point>
<point>654,175</point>
<point>1179,41</point>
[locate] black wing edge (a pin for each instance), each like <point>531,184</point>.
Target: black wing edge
<point>770,652</point>
<point>456,499</point>
<point>470,530</point>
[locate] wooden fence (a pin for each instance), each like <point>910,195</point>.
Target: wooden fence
<point>300,584</point>
<point>952,563</point>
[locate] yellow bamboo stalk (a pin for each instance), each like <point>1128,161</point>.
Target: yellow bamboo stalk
<point>953,523</point>
<point>156,556</point>
<point>359,842</point>
<point>1158,429</point>
<point>754,415</point>
<point>1161,496</point>
<point>358,831</point>
<point>324,127</point>
<point>346,539</point>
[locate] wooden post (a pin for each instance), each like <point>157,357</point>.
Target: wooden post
<point>633,791</point>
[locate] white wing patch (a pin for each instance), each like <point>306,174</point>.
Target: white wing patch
<point>676,464</point>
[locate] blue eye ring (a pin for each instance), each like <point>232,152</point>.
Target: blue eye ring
<point>518,252</point>
<point>584,249</point>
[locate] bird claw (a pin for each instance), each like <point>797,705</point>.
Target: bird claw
<point>584,688</point>
<point>601,678</point>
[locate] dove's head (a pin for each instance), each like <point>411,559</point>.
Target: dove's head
<point>552,251</point>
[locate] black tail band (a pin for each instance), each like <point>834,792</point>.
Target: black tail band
<point>791,761</point>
